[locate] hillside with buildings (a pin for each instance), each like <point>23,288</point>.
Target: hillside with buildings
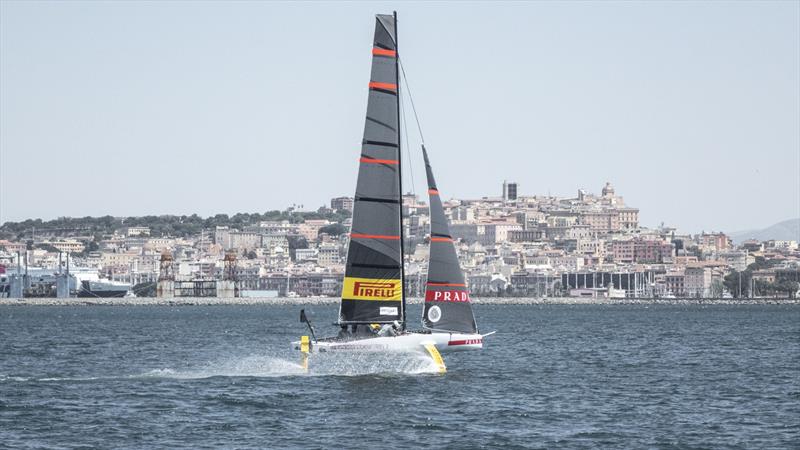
<point>590,245</point>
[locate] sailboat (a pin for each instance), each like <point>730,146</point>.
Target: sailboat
<point>372,312</point>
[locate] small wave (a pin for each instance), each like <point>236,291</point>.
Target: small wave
<point>253,366</point>
<point>13,378</point>
<point>74,378</point>
<point>48,379</point>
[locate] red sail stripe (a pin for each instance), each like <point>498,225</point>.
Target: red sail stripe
<point>441,239</point>
<point>383,52</point>
<point>433,192</point>
<point>378,161</point>
<point>388,86</point>
<point>374,236</point>
<point>448,284</point>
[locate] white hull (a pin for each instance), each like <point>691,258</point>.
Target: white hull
<point>444,342</point>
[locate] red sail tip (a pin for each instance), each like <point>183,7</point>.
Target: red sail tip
<point>374,236</point>
<point>385,86</point>
<point>378,161</point>
<point>383,52</point>
<point>433,191</point>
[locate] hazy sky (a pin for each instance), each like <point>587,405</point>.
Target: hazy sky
<point>691,110</point>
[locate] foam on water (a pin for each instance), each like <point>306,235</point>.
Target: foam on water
<point>321,364</point>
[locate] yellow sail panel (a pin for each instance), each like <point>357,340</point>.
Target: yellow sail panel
<point>372,289</point>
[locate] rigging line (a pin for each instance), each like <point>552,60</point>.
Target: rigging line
<point>408,151</point>
<point>410,97</point>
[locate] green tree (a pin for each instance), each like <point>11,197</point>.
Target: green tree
<point>716,288</point>
<point>295,242</point>
<point>735,281</point>
<point>47,247</point>
<point>334,229</point>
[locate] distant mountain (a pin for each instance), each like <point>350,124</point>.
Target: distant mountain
<point>788,230</point>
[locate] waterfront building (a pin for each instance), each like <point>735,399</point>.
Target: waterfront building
<point>714,242</point>
<point>736,259</point>
<point>462,214</point>
<point>675,283</point>
<point>782,245</point>
<point>328,255</point>
<point>121,260</point>
<point>13,247</point>
<point>305,254</point>
<point>277,227</point>
<point>66,245</point>
<point>640,250</point>
<point>697,281</point>
<point>509,191</point>
<point>137,231</point>
<point>528,235</point>
<point>159,244</point>
<point>310,228</point>
<point>237,240</point>
<point>636,283</point>
<point>342,204</point>
<point>628,218</point>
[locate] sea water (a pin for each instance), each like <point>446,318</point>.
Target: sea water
<point>553,376</point>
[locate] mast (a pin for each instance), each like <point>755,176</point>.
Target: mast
<point>400,174</point>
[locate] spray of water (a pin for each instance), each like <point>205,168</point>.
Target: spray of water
<point>275,365</point>
<point>322,364</point>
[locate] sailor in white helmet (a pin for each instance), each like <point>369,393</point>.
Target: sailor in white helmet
<point>390,329</point>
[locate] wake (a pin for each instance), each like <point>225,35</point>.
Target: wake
<point>267,366</point>
<point>320,364</point>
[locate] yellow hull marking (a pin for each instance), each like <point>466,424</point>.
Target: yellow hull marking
<point>436,357</point>
<point>305,349</point>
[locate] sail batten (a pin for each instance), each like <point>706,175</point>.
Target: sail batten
<point>373,289</point>
<point>447,304</point>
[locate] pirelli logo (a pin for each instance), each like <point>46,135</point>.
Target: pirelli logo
<point>370,289</point>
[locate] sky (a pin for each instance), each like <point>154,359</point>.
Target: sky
<point>690,109</point>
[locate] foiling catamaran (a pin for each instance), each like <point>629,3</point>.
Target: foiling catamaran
<point>372,312</point>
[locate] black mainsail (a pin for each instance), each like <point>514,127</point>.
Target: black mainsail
<point>373,285</point>
<point>447,305</point>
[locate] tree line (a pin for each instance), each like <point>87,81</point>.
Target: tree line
<point>160,226</point>
<point>742,284</point>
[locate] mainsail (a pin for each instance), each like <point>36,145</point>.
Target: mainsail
<point>373,283</point>
<point>447,305</point>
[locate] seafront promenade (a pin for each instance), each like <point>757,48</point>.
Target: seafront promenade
<point>188,301</point>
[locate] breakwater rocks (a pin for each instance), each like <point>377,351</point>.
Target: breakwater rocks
<point>187,301</point>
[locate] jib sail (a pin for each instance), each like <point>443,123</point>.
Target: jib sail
<point>447,305</point>
<point>373,285</point>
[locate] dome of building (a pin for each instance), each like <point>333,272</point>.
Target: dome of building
<point>608,190</point>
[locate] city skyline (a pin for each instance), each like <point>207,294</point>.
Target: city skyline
<point>690,110</point>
